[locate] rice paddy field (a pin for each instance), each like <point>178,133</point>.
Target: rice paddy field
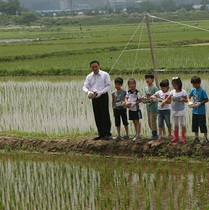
<point>59,51</point>
<point>80,182</point>
<point>60,105</point>
<point>36,181</point>
<point>56,105</point>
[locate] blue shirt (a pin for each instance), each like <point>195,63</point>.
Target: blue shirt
<point>198,96</point>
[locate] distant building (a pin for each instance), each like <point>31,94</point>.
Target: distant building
<point>41,4</point>
<point>197,6</point>
<point>61,4</point>
<point>123,4</point>
<point>81,4</point>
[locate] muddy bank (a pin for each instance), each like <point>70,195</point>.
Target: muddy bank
<point>87,146</point>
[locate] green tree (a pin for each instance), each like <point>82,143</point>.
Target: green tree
<point>27,18</point>
<point>11,7</point>
<point>168,5</point>
<point>147,6</point>
<point>204,2</point>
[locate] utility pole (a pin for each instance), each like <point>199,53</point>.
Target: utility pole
<point>152,50</point>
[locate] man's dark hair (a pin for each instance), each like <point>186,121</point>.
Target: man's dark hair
<point>149,76</point>
<point>164,83</point>
<point>195,80</point>
<point>119,80</point>
<point>94,61</point>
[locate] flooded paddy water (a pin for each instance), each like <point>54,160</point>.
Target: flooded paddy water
<point>92,182</point>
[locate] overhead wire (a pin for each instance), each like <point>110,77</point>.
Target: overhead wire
<point>127,44</point>
<point>179,23</point>
<point>142,23</point>
<point>137,51</point>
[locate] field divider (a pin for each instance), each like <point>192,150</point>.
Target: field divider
<point>102,147</point>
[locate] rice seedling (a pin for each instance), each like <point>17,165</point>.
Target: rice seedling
<point>62,53</point>
<point>60,107</point>
<point>70,182</point>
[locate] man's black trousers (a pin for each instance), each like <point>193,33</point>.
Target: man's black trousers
<point>102,115</point>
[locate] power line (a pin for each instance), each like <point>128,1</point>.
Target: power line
<point>127,44</point>
<point>179,23</point>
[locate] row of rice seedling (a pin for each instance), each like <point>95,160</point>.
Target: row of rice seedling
<point>193,57</point>
<point>44,106</point>
<point>114,33</point>
<point>60,107</point>
<point>35,185</point>
<point>62,53</point>
<point>94,183</point>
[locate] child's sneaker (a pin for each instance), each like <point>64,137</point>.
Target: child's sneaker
<point>136,138</point>
<point>159,138</point>
<point>118,138</point>
<point>154,136</point>
<point>126,137</point>
<point>205,142</point>
<point>195,141</point>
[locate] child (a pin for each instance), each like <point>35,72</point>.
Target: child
<point>199,113</point>
<point>118,102</point>
<point>179,97</point>
<point>151,106</point>
<point>164,110</point>
<point>132,102</point>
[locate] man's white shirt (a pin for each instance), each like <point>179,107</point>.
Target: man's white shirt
<point>99,83</point>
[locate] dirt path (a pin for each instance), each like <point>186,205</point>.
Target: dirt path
<point>87,146</point>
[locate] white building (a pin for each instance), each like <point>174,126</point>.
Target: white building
<point>197,6</point>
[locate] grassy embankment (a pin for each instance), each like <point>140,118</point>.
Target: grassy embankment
<point>67,50</point>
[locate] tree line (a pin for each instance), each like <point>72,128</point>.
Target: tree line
<point>11,12</point>
<point>10,7</point>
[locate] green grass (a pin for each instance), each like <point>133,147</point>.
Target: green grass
<point>42,135</point>
<point>59,64</point>
<point>67,50</point>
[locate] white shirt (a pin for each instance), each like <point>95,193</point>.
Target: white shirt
<point>99,83</point>
<point>160,94</point>
<point>178,107</point>
<point>133,97</point>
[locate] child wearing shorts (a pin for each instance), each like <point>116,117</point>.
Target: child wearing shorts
<point>132,102</point>
<point>119,109</point>
<point>200,97</point>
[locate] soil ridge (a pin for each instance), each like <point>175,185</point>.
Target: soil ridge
<point>86,145</point>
